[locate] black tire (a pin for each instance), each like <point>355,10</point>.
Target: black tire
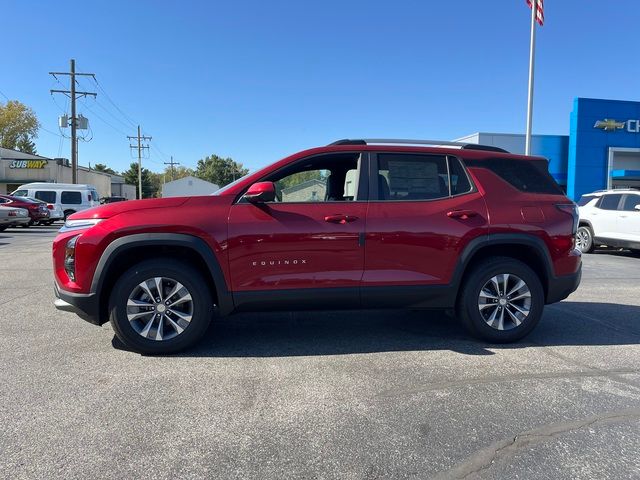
<point>202,305</point>
<point>26,225</point>
<point>3,228</point>
<point>67,213</point>
<point>584,239</point>
<point>468,308</point>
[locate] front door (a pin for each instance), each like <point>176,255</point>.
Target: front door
<point>628,223</point>
<point>305,247</point>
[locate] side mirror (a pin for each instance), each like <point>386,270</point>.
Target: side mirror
<point>261,192</point>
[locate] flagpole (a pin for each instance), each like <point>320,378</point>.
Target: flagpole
<point>532,55</point>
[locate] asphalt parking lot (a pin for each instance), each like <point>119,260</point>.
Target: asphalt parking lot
<point>366,395</point>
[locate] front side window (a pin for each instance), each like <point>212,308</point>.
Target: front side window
<point>609,202</point>
<point>71,198</point>
<point>46,196</point>
<point>325,178</point>
<point>630,202</point>
<point>20,193</point>
<point>413,177</point>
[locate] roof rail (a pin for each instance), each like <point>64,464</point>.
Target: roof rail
<point>404,141</point>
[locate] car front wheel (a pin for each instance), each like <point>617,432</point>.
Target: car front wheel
<point>584,239</point>
<point>160,306</point>
<point>501,301</point>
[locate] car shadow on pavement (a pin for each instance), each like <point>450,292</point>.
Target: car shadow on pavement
<point>285,334</point>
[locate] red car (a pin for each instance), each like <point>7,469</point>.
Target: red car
<point>38,211</point>
<point>355,224</point>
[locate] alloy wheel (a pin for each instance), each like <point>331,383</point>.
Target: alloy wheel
<point>504,301</point>
<point>160,308</point>
<point>583,239</point>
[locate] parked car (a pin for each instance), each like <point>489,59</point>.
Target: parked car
<point>363,224</point>
<point>37,211</point>
<point>610,218</point>
<point>13,217</point>
<point>55,212</point>
<point>69,197</point>
<point>112,199</point>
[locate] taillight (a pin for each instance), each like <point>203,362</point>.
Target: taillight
<point>50,206</point>
<point>13,213</point>
<point>570,209</point>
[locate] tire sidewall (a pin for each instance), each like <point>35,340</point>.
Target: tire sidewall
<point>589,233</point>
<point>189,277</point>
<point>474,320</point>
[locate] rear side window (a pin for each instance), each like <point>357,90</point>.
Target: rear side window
<point>584,199</point>
<point>459,180</point>
<point>412,177</point>
<point>609,202</point>
<point>629,203</point>
<point>530,176</point>
<point>46,196</point>
<point>71,198</point>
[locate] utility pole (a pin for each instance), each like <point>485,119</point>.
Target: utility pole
<point>73,95</point>
<point>172,163</point>
<point>140,147</point>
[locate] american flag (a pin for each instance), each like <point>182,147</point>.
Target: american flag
<point>540,12</point>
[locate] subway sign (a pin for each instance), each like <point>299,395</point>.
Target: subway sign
<point>35,164</point>
<point>609,125</point>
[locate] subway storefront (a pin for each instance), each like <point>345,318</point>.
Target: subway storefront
<point>18,168</point>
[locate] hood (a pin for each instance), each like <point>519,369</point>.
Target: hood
<point>111,209</point>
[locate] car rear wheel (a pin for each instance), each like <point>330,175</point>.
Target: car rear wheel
<point>3,228</point>
<point>584,239</point>
<point>501,301</point>
<point>160,306</point>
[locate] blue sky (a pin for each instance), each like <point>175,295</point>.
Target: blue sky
<point>258,80</point>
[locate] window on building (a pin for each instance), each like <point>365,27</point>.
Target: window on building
<point>71,198</point>
<point>412,177</point>
<point>609,202</point>
<point>46,196</point>
<point>629,203</point>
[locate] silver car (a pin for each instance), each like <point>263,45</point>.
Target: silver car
<point>12,216</point>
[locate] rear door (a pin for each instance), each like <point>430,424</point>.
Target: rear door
<point>604,216</point>
<point>628,222</point>
<point>423,211</point>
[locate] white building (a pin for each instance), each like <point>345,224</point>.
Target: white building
<point>188,187</point>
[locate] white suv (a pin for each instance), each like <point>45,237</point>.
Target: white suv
<point>611,218</point>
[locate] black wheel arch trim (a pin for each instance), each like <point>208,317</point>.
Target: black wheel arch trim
<point>224,298</point>
<point>495,239</point>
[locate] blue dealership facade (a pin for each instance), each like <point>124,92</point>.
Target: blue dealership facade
<point>601,151</point>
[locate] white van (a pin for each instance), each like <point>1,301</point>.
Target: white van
<point>71,198</point>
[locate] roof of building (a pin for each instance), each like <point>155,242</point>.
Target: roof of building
<point>11,154</point>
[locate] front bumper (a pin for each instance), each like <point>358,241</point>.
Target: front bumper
<point>563,286</point>
<point>85,305</point>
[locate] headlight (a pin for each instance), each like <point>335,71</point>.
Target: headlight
<point>79,224</point>
<point>70,257</point>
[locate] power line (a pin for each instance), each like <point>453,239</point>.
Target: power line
<point>4,95</point>
<point>127,117</point>
<point>172,163</point>
<point>140,148</point>
<point>102,119</point>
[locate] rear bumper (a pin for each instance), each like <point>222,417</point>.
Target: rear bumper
<point>85,305</point>
<point>563,286</point>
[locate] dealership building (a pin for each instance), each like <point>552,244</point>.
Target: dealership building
<point>601,151</point>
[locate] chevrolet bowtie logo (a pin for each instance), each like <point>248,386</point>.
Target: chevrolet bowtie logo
<point>609,125</point>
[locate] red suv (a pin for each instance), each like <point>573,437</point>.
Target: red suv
<point>355,224</point>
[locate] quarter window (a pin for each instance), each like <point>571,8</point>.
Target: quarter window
<point>46,196</point>
<point>609,202</point>
<point>71,198</point>
<point>413,177</point>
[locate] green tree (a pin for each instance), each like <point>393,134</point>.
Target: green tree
<point>150,184</point>
<point>26,145</point>
<point>101,167</point>
<point>18,126</point>
<point>178,172</point>
<point>218,170</point>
